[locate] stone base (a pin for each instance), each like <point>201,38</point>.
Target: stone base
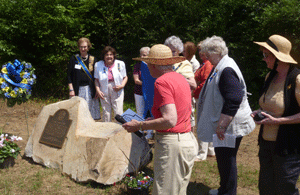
<point>100,151</point>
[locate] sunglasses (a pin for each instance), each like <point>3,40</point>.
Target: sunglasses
<point>266,55</point>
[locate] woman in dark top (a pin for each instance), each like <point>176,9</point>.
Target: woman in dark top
<point>81,77</point>
<point>279,145</point>
<point>223,109</point>
<point>138,93</point>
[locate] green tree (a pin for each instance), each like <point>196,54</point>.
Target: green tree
<point>45,32</point>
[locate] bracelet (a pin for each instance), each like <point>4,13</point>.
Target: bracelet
<point>141,124</point>
<point>71,90</point>
<point>222,127</point>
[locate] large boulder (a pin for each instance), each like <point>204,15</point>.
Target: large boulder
<point>100,151</point>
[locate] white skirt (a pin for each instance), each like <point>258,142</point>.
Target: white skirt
<point>94,106</point>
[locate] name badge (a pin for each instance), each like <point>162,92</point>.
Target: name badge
<point>77,66</point>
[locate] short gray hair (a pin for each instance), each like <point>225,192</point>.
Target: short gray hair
<point>214,45</point>
<point>146,49</point>
<point>175,42</point>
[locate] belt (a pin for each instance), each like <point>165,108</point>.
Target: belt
<point>170,133</point>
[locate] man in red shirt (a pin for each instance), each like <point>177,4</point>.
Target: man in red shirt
<point>175,145</point>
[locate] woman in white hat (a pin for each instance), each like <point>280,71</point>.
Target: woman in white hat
<point>175,145</point>
<point>279,145</point>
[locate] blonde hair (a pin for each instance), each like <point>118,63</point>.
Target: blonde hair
<point>83,39</point>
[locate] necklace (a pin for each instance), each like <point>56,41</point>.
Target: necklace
<point>84,58</point>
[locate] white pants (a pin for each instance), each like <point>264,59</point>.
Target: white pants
<point>139,104</point>
<point>205,148</point>
<point>114,100</point>
<point>174,157</point>
<point>193,123</point>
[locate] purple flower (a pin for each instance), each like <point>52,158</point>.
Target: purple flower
<point>26,75</point>
<point>7,95</point>
<point>30,81</point>
<point>4,85</point>
<point>27,65</point>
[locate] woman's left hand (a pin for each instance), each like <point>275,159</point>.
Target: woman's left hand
<point>117,88</point>
<point>269,120</point>
<point>220,133</point>
<point>132,126</point>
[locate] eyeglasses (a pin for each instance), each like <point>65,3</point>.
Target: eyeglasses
<point>266,55</point>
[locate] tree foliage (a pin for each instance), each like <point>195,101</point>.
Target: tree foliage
<point>45,32</point>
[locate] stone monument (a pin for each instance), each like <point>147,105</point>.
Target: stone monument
<point>66,137</point>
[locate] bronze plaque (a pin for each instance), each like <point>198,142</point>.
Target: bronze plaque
<point>56,129</point>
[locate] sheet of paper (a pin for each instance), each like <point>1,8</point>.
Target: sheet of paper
<point>228,142</point>
<point>129,114</point>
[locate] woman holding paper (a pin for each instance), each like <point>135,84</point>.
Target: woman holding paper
<point>81,77</point>
<point>223,109</point>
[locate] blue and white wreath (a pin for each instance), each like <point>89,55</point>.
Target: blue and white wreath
<point>16,80</point>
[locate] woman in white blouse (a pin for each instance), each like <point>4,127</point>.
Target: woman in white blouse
<point>110,80</point>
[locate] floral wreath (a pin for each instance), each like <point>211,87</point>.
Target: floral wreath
<point>16,80</point>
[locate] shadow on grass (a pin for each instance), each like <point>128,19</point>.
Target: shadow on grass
<point>120,188</point>
<point>197,188</point>
<point>31,161</point>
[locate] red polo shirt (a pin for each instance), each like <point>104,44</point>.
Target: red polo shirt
<point>173,88</point>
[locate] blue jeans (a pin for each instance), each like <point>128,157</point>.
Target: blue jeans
<point>278,174</point>
<point>226,159</point>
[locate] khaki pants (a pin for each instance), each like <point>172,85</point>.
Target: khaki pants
<point>114,100</point>
<point>174,157</point>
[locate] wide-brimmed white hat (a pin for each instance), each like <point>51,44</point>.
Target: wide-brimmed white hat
<point>161,55</point>
<point>280,47</point>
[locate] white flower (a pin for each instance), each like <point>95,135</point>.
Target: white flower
<point>15,138</point>
<point>6,135</point>
<point>12,151</point>
<point>2,145</point>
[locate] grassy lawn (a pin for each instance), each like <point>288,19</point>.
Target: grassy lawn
<point>27,177</point>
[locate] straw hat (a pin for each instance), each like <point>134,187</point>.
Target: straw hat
<point>161,55</point>
<point>280,47</point>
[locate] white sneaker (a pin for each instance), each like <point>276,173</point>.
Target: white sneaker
<point>213,192</point>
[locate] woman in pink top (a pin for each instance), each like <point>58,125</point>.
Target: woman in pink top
<point>110,80</point>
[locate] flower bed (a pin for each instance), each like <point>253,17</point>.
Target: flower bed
<point>9,147</point>
<point>139,181</point>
